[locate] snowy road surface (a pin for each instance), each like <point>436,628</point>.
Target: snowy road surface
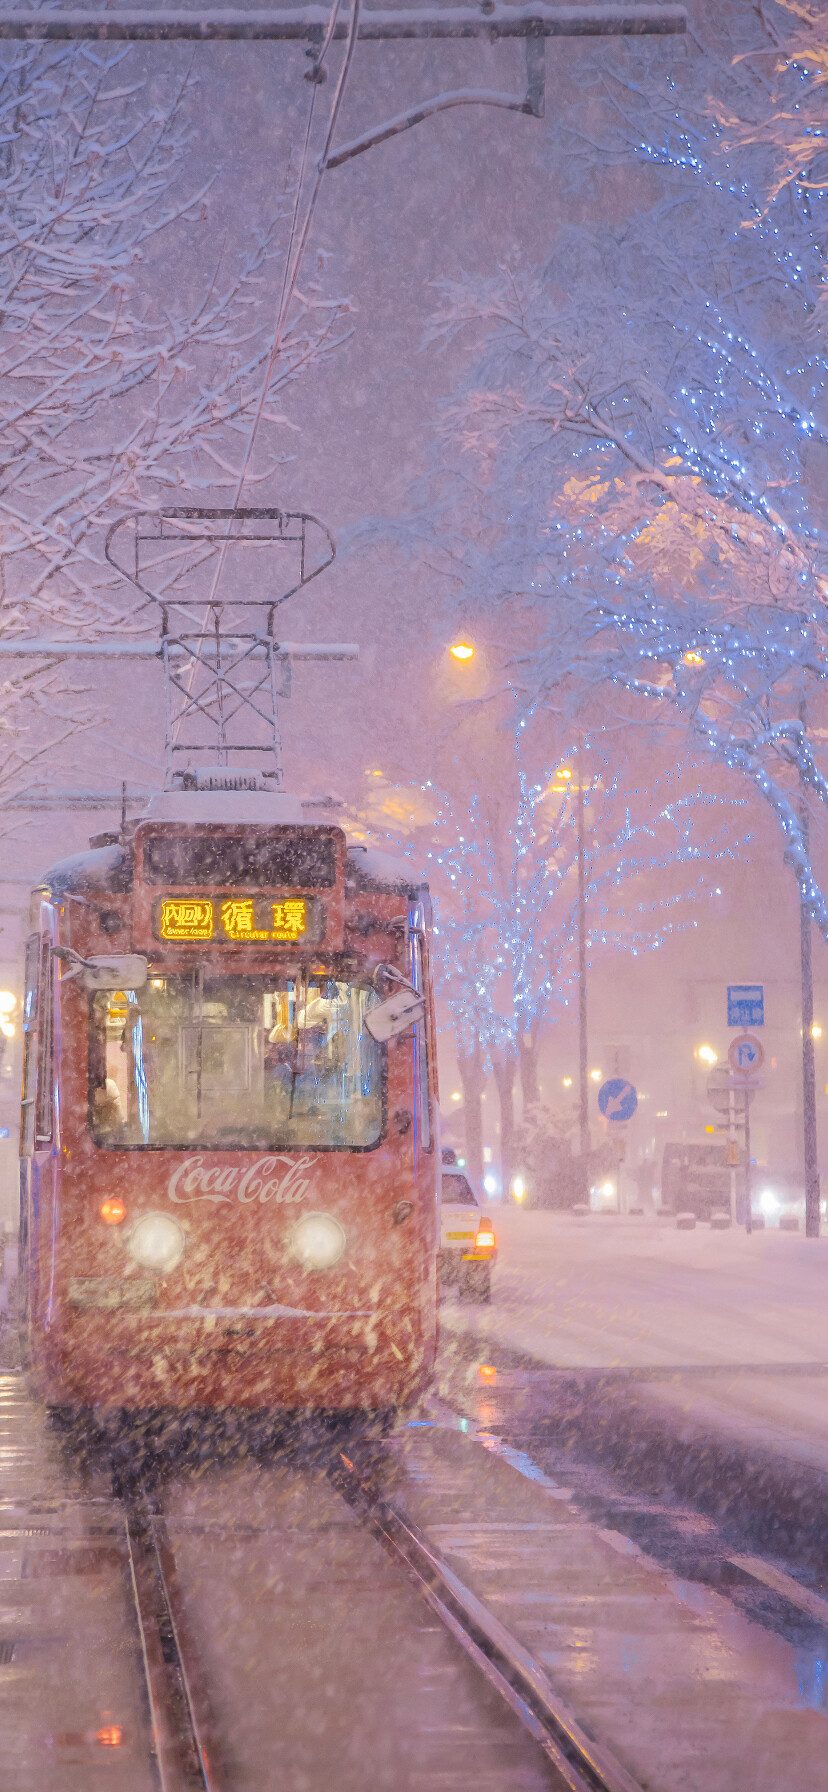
<point>633,1294</point>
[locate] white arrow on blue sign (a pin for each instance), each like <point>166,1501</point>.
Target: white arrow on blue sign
<point>617,1099</point>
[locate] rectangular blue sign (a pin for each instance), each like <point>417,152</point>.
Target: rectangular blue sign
<point>745,1004</point>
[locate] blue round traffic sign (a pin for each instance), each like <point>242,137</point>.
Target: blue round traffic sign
<point>617,1099</point>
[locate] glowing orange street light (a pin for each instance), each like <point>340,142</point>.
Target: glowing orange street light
<point>693,658</point>
<point>461,650</point>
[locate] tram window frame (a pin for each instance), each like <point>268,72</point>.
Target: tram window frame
<point>422,1056</point>
<point>44,1105</point>
<point>31,1004</point>
<point>97,1044</point>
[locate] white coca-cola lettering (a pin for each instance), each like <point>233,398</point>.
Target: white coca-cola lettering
<point>280,1178</point>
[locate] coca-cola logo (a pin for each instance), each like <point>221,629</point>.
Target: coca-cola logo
<point>279,1178</point>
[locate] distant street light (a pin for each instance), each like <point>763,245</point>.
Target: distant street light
<point>692,657</point>
<point>707,1054</point>
<point>8,1002</point>
<point>595,1075</point>
<point>816,1031</point>
<point>462,650</point>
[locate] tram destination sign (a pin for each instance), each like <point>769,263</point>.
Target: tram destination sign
<point>238,920</point>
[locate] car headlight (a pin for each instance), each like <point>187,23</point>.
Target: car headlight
<point>317,1241</point>
<point>157,1242</point>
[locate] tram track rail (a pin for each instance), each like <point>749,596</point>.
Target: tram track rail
<point>581,1764</point>
<point>179,1714</point>
<point>182,1728</point>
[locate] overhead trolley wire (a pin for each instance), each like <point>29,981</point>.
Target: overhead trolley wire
<point>293,262</point>
<point>292,271</point>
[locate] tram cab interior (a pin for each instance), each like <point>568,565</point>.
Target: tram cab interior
<point>264,1061</point>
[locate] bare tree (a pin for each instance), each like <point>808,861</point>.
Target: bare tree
<point>118,385</point>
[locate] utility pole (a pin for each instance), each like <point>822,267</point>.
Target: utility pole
<point>809,1123</point>
<point>583,1059</point>
<point>489,21</point>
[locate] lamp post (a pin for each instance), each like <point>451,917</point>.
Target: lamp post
<point>809,1123</point>
<point>583,1075</point>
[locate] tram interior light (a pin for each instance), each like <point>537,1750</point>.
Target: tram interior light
<point>157,1242</point>
<point>317,1241</point>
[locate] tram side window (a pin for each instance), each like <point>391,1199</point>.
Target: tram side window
<point>30,1006</point>
<point>251,1062</point>
<point>45,1045</point>
<point>421,1047</point>
<point>38,1058</point>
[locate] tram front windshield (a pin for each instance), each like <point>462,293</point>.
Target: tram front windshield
<point>235,1061</point>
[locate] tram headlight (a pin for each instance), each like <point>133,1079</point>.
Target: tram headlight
<point>156,1242</point>
<point>317,1241</point>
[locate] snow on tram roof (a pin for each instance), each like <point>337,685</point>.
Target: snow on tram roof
<point>107,865</point>
<point>271,808</point>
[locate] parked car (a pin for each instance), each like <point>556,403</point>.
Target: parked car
<point>468,1246</point>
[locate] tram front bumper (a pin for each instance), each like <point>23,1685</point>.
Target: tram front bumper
<point>116,1358</point>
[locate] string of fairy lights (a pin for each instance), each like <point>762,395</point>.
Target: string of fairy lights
<point>725,392</point>
<point>506,908</point>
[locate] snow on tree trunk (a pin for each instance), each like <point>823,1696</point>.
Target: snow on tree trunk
<point>503,1070</point>
<point>473,1079</point>
<point>528,1060</point>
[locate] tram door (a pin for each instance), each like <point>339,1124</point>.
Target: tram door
<point>218,1061</point>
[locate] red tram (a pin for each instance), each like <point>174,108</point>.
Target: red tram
<point>229,1180</point>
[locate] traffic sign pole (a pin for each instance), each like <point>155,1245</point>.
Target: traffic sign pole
<point>731,1135</point>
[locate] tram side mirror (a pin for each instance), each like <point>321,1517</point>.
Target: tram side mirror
<point>126,970</point>
<point>119,970</point>
<point>395,1015</point>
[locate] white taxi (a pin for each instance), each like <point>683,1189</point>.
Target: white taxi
<point>468,1246</point>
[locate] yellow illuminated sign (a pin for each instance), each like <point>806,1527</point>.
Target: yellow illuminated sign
<point>186,918</point>
<point>241,920</point>
<point>238,921</point>
<point>289,919</point>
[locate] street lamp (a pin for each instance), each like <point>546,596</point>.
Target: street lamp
<point>462,650</point>
<point>707,1054</point>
